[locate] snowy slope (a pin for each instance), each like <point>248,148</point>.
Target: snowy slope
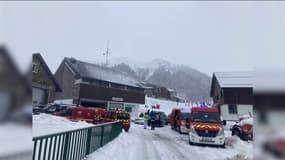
<point>165,105</point>
<point>166,144</point>
<point>47,124</point>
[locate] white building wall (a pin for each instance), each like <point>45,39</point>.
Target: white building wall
<point>241,109</point>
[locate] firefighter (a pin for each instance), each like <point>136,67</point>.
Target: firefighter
<point>152,119</point>
<point>145,118</point>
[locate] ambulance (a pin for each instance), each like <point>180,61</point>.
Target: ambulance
<point>206,127</point>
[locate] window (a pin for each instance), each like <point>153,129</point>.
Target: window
<point>35,68</point>
<point>128,109</point>
<point>232,109</point>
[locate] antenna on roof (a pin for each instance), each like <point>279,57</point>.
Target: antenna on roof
<point>107,54</point>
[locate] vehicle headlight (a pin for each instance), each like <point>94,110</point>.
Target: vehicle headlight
<point>221,131</point>
<point>192,130</point>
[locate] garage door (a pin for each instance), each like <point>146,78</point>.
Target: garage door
<point>39,96</point>
<point>5,103</point>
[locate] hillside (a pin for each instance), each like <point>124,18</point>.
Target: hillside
<point>188,82</point>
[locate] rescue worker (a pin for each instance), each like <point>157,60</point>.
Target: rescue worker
<point>152,119</point>
<point>145,118</point>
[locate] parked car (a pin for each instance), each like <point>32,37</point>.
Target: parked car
<point>179,121</point>
<point>140,119</point>
<point>114,115</point>
<point>53,107</point>
<point>206,127</point>
<point>78,114</point>
<point>37,109</point>
<point>244,128</point>
<point>183,122</point>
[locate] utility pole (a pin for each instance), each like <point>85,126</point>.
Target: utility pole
<point>107,54</point>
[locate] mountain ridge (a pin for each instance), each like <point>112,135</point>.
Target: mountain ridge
<point>189,83</point>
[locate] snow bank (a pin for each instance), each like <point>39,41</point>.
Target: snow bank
<point>47,124</point>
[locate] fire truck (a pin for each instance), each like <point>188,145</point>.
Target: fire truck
<point>114,115</point>
<point>206,127</point>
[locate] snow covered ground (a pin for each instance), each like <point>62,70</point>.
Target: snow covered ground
<point>166,144</point>
<point>47,124</point>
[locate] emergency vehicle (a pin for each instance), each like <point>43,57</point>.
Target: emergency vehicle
<point>114,115</point>
<point>78,114</point>
<point>206,127</point>
<point>180,120</point>
<point>99,113</point>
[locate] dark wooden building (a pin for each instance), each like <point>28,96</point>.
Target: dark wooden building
<point>15,90</point>
<point>160,92</point>
<point>93,85</point>
<point>232,93</point>
<point>44,83</point>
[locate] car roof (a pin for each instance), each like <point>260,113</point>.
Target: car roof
<point>204,109</point>
<point>80,108</point>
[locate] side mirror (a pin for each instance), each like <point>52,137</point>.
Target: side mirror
<point>224,122</point>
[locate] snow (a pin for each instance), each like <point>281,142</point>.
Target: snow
<point>47,124</point>
<point>166,106</point>
<point>246,121</point>
<point>166,144</point>
<point>15,139</point>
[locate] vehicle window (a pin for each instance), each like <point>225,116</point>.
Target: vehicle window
<point>184,115</point>
<point>123,116</point>
<point>66,113</point>
<point>51,109</point>
<point>207,117</point>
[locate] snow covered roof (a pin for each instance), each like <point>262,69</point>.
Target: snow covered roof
<point>234,79</point>
<point>95,71</point>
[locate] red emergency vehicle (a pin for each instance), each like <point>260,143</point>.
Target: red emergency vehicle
<point>180,121</point>
<point>206,127</point>
<point>99,113</point>
<point>78,114</point>
<point>114,115</point>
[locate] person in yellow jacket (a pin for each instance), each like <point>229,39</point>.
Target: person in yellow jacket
<point>145,118</point>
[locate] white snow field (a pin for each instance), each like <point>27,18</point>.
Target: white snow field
<point>166,106</point>
<point>166,144</point>
<point>44,124</point>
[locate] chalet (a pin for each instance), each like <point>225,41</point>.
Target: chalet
<point>232,93</point>
<point>93,85</point>
<point>15,90</point>
<point>156,91</point>
<point>44,84</point>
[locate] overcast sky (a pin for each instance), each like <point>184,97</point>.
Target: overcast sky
<point>208,36</point>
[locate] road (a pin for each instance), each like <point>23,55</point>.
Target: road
<point>166,144</point>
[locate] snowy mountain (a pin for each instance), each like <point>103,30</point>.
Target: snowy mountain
<point>188,82</point>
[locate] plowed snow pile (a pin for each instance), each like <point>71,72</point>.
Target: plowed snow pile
<point>47,124</point>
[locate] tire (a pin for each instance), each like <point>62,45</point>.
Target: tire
<point>235,132</point>
<point>191,143</point>
<point>223,146</point>
<point>180,130</point>
<point>126,130</point>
